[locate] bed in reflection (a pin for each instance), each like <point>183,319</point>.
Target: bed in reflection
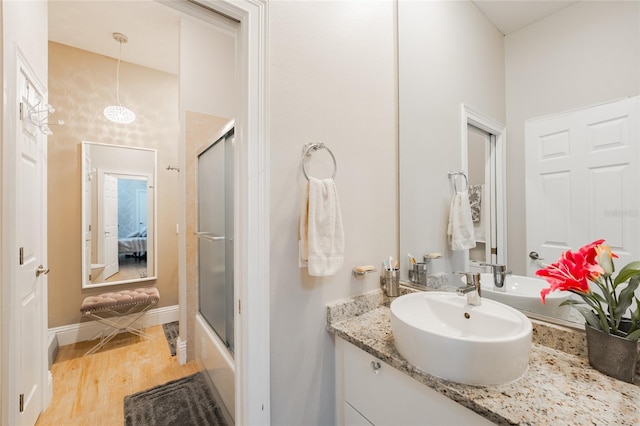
<point>134,244</point>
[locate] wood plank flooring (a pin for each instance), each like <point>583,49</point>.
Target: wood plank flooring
<point>90,390</point>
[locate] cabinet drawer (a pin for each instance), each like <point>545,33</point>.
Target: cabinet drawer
<point>385,396</point>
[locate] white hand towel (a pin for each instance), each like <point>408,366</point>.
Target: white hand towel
<point>460,228</point>
<point>325,235</point>
<point>303,229</point>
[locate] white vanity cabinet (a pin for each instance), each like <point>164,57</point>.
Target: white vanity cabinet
<point>371,392</point>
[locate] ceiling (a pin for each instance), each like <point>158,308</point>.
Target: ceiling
<point>511,15</point>
<point>153,28</point>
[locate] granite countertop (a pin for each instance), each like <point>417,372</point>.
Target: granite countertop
<point>559,386</point>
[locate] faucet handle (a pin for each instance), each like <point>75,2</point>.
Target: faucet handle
<point>472,289</point>
<point>497,267</point>
<point>472,278</point>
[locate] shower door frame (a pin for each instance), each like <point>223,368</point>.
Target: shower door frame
<point>226,140</point>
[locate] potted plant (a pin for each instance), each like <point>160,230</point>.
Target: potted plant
<point>612,338</point>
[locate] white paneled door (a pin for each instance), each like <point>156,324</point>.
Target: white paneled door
<point>583,181</point>
<point>110,225</point>
<point>29,317</point>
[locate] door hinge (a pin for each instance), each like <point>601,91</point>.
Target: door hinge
<point>21,402</point>
<point>494,250</point>
<point>239,307</point>
<point>21,111</point>
<point>21,255</point>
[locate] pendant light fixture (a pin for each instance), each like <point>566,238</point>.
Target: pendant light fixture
<point>118,113</point>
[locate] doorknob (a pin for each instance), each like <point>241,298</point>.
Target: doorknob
<point>41,270</point>
<point>534,255</point>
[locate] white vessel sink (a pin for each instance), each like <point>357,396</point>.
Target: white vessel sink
<point>476,345</point>
<point>523,293</point>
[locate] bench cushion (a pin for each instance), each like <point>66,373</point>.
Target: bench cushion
<point>120,299</point>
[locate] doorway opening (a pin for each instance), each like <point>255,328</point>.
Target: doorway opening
<point>483,158</point>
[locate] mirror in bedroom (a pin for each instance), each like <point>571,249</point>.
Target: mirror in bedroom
<point>118,211</point>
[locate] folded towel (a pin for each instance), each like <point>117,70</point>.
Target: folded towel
<point>303,228</point>
<point>475,201</point>
<point>460,228</point>
<point>324,242</point>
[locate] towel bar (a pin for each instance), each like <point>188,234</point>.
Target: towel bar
<point>455,175</point>
<point>309,149</point>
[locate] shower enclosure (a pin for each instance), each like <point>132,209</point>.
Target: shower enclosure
<point>215,237</point>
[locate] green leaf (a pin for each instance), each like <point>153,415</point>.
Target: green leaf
<point>635,315</point>
<point>598,297</point>
<point>608,298</point>
<point>629,270</point>
<point>591,318</point>
<point>571,302</point>
<point>634,336</point>
<point>626,297</point>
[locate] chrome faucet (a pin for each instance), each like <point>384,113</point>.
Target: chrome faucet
<point>472,289</point>
<point>499,274</point>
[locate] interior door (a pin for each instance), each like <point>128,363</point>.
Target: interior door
<point>110,221</point>
<point>582,181</point>
<point>28,348</point>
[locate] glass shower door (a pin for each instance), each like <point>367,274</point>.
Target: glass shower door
<point>215,237</point>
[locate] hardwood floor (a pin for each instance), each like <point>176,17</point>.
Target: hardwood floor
<point>90,390</point>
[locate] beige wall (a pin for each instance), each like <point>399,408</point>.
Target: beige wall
<point>81,84</point>
<point>331,79</point>
<point>588,53</point>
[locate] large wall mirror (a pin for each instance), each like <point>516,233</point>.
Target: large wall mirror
<point>118,214</point>
<point>574,56</point>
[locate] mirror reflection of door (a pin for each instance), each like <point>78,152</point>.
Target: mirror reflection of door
<point>581,166</point>
<point>480,168</point>
<point>118,214</point>
<point>109,225</point>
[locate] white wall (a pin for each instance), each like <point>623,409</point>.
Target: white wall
<point>331,80</point>
<point>449,54</point>
<point>29,38</point>
<point>207,79</point>
<point>588,53</point>
<point>207,86</point>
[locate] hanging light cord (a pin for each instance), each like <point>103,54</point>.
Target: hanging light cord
<point>118,75</point>
<point>118,113</point>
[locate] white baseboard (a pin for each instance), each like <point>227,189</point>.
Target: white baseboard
<point>74,333</point>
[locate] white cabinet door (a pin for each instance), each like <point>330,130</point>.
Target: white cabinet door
<point>385,396</point>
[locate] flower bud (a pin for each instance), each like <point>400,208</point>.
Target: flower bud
<point>604,258</point>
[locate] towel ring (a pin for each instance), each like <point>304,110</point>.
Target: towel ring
<point>455,180</point>
<point>309,149</point>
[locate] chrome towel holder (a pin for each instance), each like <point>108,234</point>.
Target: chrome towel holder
<point>454,175</point>
<point>309,149</point>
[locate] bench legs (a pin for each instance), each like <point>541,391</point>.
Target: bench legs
<point>121,321</point>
